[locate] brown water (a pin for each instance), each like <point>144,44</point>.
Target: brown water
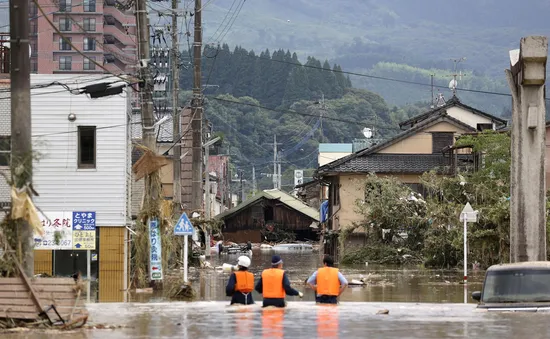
<point>397,284</point>
<point>422,304</point>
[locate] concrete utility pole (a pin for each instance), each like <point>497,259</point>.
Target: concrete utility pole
<point>196,124</point>
<point>253,180</point>
<point>21,141</point>
<point>176,115</point>
<point>279,174</point>
<point>526,79</point>
<point>275,162</point>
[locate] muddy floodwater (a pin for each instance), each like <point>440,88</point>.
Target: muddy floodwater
<point>421,304</point>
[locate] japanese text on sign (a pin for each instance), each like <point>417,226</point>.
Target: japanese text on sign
<point>84,230</point>
<point>57,232</point>
<point>155,257</point>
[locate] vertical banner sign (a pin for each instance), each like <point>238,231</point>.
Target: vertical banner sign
<point>155,249</point>
<point>84,230</point>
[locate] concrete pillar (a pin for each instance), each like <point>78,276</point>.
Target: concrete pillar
<point>528,201</point>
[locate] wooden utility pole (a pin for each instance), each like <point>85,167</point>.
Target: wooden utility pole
<point>21,142</point>
<point>196,124</point>
<point>176,115</point>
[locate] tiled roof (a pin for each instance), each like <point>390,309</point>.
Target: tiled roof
<point>454,101</point>
<point>163,131</point>
<point>393,163</point>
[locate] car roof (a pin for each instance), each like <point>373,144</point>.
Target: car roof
<point>528,265</point>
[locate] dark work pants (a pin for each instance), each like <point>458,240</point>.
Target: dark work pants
<point>326,299</point>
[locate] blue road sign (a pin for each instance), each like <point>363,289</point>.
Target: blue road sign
<point>184,226</point>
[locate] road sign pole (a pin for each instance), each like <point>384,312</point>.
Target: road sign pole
<point>465,216</point>
<point>185,254</point>
<point>89,274</point>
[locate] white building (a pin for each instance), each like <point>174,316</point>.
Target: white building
<point>82,149</point>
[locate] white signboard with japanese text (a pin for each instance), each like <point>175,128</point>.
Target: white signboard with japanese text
<point>58,231</point>
<point>66,231</point>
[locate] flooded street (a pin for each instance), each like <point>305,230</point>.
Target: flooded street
<point>421,304</point>
<point>398,284</point>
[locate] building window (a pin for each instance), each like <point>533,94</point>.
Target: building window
<point>34,65</point>
<point>89,5</point>
<point>5,148</point>
<point>89,44</point>
<point>86,147</point>
<point>89,25</point>
<point>64,44</point>
<point>65,63</point>
<point>65,24</point>
<point>440,140</point>
<point>33,10</point>
<point>88,64</point>
<point>33,27</point>
<point>34,48</point>
<point>65,5</point>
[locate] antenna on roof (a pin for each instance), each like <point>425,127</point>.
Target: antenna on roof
<point>453,84</point>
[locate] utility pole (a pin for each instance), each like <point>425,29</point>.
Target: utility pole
<point>275,160</point>
<point>279,174</point>
<point>21,143</point>
<point>526,79</point>
<point>242,186</point>
<point>253,180</point>
<point>196,124</point>
<point>176,115</point>
<point>432,85</point>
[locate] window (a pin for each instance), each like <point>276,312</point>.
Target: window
<point>65,63</point>
<point>86,146</point>
<point>33,10</point>
<point>34,65</point>
<point>89,44</point>
<point>33,27</point>
<point>65,5</point>
<point>5,148</point>
<point>65,24</point>
<point>440,140</point>
<point>89,65</point>
<point>64,44</point>
<point>89,25</point>
<point>34,48</point>
<point>89,5</point>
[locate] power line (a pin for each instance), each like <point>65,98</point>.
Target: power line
<point>223,21</point>
<point>232,23</point>
<point>76,131</point>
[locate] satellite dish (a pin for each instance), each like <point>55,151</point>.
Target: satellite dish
<point>367,132</point>
<point>453,84</point>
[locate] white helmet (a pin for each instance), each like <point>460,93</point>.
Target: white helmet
<point>243,261</point>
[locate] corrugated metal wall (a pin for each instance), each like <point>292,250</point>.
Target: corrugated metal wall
<point>43,262</point>
<point>111,264</point>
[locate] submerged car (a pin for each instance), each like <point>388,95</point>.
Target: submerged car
<point>517,287</point>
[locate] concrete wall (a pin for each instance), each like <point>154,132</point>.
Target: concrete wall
<point>421,143</point>
<point>328,157</point>
<point>352,189</point>
<point>467,117</point>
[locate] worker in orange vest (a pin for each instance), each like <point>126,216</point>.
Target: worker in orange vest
<point>327,282</point>
<point>274,284</point>
<point>241,283</point>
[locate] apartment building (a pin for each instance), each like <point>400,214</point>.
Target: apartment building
<point>104,30</point>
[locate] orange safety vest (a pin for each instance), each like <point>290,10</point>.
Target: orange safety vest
<point>328,282</point>
<point>272,283</point>
<point>245,281</point>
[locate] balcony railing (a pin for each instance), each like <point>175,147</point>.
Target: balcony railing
<point>115,32</point>
<point>119,15</point>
